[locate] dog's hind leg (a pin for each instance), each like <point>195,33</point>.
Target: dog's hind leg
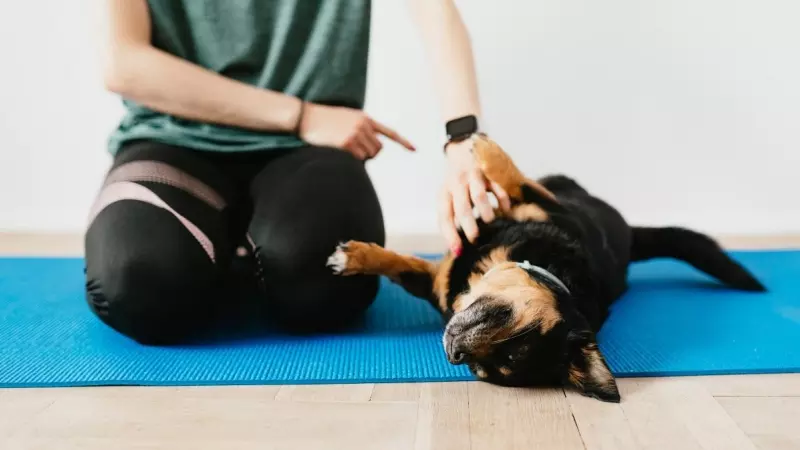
<point>416,275</point>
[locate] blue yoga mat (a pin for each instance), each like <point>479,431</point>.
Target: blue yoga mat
<point>674,321</point>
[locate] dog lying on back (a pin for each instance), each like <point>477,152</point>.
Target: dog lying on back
<point>524,302</point>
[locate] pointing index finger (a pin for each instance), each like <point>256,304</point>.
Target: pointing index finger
<point>393,135</point>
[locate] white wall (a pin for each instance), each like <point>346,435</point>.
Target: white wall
<point>701,98</point>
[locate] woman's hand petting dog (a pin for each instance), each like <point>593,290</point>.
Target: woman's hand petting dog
<point>466,187</point>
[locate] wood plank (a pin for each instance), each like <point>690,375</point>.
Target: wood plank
<point>117,444</point>
<point>669,413</point>
<point>521,418</point>
<point>184,421</point>
<point>704,417</point>
<point>767,385</point>
<point>416,243</point>
<point>766,241</point>
<point>443,417</point>
<point>41,244</point>
<point>654,426</point>
<point>18,407</point>
<point>396,392</point>
<point>771,422</point>
<point>326,393</point>
<point>603,426</point>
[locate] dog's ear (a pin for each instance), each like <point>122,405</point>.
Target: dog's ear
<point>587,370</point>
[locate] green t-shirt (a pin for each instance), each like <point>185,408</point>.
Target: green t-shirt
<point>313,49</point>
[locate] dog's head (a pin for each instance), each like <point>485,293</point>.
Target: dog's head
<point>515,328</point>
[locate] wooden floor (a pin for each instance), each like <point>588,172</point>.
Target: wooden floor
<point>730,413</point>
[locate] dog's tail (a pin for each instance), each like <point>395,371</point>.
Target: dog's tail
<point>694,248</point>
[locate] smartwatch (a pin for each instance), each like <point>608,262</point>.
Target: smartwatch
<point>461,128</point>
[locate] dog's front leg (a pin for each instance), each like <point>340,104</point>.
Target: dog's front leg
<point>500,168</point>
<point>416,275</point>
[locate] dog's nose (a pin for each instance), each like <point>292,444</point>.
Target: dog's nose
<point>456,352</point>
<point>458,358</point>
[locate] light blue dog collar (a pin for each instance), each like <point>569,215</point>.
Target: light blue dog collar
<point>528,267</point>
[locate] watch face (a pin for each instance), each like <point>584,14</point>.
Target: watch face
<point>462,127</point>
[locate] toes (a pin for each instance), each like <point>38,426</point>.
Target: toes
<point>337,262</point>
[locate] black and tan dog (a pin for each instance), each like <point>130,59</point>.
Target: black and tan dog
<point>524,302</point>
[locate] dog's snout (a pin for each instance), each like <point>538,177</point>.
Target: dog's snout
<point>468,334</point>
<point>454,330</point>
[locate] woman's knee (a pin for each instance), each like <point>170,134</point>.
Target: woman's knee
<point>304,293</point>
<point>139,299</point>
<point>155,292</point>
<point>305,206</point>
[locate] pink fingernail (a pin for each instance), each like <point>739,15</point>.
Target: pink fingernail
<point>456,251</point>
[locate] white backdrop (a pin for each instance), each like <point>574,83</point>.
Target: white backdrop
<point>700,99</point>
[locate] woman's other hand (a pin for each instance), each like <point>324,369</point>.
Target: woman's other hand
<point>347,129</point>
<point>465,188</point>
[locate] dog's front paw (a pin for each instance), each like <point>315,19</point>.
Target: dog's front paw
<point>495,163</point>
<point>349,257</point>
<point>337,262</point>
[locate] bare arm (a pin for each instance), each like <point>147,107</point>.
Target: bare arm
<point>136,70</point>
<point>449,50</point>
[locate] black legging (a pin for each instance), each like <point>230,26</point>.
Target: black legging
<point>164,234</point>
